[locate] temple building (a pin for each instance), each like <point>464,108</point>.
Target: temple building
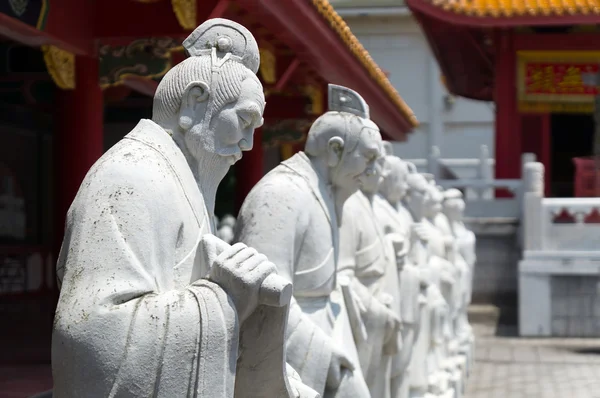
<point>537,61</point>
<point>76,76</point>
<point>457,126</point>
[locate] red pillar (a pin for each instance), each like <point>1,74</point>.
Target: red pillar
<point>545,155</point>
<point>249,170</point>
<point>78,137</point>
<point>536,138</point>
<point>508,137</point>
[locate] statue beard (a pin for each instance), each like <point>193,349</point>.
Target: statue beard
<point>210,159</point>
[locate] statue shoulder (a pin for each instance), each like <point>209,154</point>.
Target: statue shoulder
<point>281,184</point>
<point>130,167</point>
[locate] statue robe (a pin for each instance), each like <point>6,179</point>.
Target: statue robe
<point>398,222</point>
<point>459,289</point>
<point>466,248</point>
<point>445,277</point>
<point>133,320</point>
<point>365,260</point>
<point>290,217</point>
<point>426,362</point>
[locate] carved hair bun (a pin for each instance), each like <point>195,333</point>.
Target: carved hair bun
<point>227,37</point>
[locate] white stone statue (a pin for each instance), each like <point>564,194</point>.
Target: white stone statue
<point>226,228</point>
<point>453,208</point>
<point>371,280</point>
<point>293,216</point>
<point>429,251</point>
<point>397,223</point>
<point>151,302</point>
<point>454,363</point>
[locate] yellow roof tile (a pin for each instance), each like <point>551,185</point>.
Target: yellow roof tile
<point>515,8</point>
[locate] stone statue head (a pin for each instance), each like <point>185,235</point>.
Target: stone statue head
<point>347,142</point>
<point>418,194</point>
<point>454,204</point>
<point>373,176</point>
<point>394,174</point>
<point>433,204</point>
<point>214,98</point>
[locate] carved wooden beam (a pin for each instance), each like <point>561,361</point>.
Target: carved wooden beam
<point>287,75</point>
<point>220,9</point>
<point>146,57</point>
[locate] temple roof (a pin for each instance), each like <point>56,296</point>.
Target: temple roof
<point>341,28</point>
<point>508,8</point>
<point>504,13</point>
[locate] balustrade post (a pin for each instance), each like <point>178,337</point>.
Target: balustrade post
<point>484,173</point>
<point>532,219</point>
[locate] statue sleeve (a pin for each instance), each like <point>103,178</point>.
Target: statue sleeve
<point>122,327</point>
<point>273,220</point>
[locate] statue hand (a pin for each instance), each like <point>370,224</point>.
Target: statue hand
<point>339,362</point>
<point>386,299</point>
<point>393,338</point>
<point>240,271</point>
<point>422,231</point>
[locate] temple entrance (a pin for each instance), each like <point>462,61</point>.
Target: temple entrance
<point>572,136</point>
<point>27,287</point>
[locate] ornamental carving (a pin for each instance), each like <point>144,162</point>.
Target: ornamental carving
<point>268,66</point>
<point>575,215</point>
<point>61,66</point>
<point>285,131</point>
<point>148,57</point>
<point>185,11</point>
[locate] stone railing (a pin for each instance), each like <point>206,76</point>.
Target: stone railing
<point>558,226</point>
<point>479,190</point>
<point>559,275</point>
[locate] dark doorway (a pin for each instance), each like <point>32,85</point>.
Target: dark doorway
<point>572,136</point>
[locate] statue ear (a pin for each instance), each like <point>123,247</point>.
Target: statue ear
<point>194,96</point>
<point>335,148</point>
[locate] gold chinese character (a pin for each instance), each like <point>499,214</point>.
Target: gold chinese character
<point>572,81</point>
<point>542,79</point>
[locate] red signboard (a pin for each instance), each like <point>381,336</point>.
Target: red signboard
<point>557,81</point>
<point>561,78</point>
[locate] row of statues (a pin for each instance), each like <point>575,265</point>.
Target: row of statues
<point>346,273</point>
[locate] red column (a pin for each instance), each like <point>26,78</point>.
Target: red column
<point>536,138</point>
<point>78,137</point>
<point>508,137</point>
<point>249,170</point>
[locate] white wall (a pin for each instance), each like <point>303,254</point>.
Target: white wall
<point>397,44</point>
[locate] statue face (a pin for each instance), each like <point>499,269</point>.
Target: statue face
<point>432,201</point>
<point>454,208</point>
<point>359,165</point>
<point>372,177</point>
<point>231,128</point>
<point>398,187</point>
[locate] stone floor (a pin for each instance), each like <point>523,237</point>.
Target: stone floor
<point>511,367</point>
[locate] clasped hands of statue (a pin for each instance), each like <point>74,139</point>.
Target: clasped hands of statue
<point>240,270</point>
